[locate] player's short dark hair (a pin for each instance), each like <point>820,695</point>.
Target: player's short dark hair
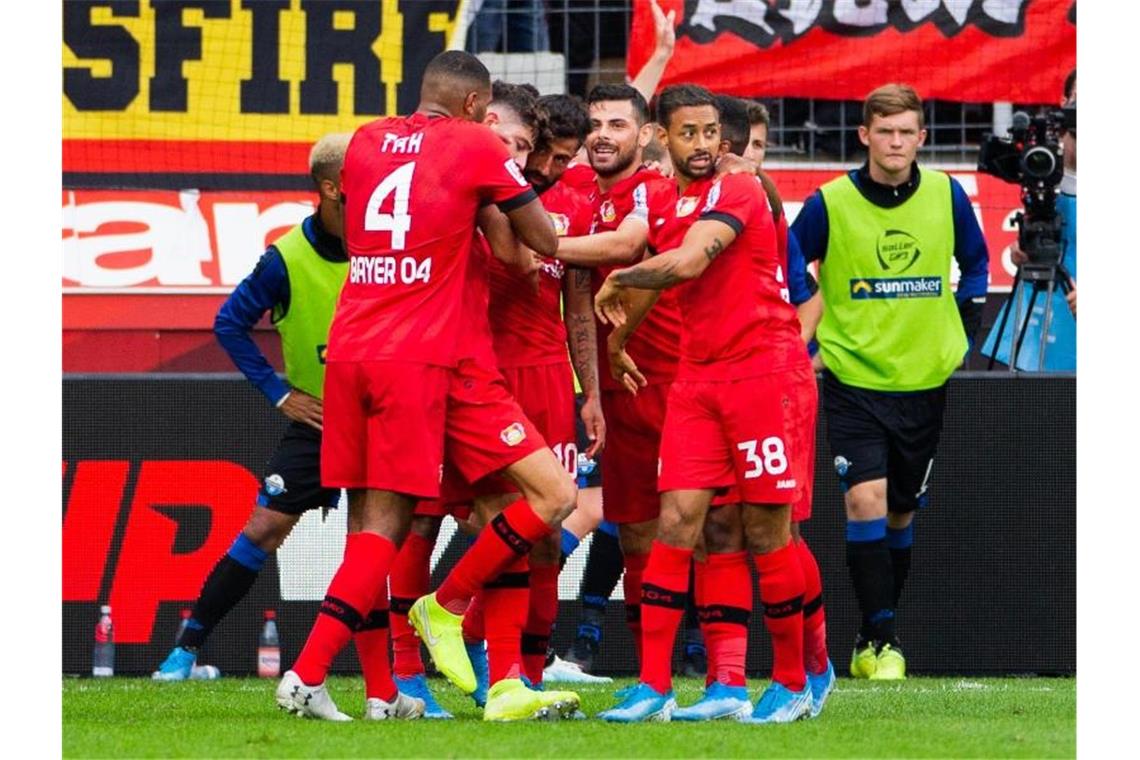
<point>604,92</point>
<point>758,113</point>
<point>524,102</point>
<point>567,117</point>
<point>1070,84</point>
<point>682,96</point>
<point>458,65</point>
<point>734,125</point>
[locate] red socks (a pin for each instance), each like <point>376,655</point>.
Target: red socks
<point>663,591</point>
<point>506,599</point>
<point>631,586</point>
<point>371,641</point>
<point>782,594</point>
<point>542,613</point>
<point>410,579</point>
<point>509,536</point>
<point>361,578</point>
<point>724,608</point>
<point>474,627</point>
<point>815,623</point>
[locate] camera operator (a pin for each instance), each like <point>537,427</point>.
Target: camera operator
<point>892,333</point>
<point>1061,351</point>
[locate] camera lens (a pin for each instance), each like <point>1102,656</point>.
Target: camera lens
<point>1039,162</point>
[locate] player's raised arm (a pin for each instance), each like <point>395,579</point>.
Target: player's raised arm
<point>665,35</point>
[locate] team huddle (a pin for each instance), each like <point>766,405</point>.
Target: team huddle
<point>485,271</point>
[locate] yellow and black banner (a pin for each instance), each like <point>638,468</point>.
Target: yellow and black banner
<point>165,79</point>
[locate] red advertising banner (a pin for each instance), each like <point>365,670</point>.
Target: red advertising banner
<point>960,50</point>
<point>157,243</point>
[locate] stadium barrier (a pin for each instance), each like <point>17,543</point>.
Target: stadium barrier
<point>160,472</point>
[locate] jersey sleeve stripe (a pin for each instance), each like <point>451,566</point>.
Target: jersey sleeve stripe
<point>726,218</point>
<point>520,200</point>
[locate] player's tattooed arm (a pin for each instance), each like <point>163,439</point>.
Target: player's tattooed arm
<point>582,333</point>
<point>620,246</point>
<point>581,328</point>
<point>702,244</point>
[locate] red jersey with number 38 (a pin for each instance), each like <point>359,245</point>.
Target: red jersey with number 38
<point>736,319</point>
<point>409,219</point>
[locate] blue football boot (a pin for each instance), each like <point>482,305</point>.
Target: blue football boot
<point>821,687</point>
<point>719,701</point>
<point>417,686</point>
<point>477,653</point>
<point>779,705</point>
<point>642,704</point>
<point>177,665</point>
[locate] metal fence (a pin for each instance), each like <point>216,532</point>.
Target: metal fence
<point>592,36</point>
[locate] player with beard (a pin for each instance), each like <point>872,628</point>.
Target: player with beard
<point>628,202</point>
<point>737,413</point>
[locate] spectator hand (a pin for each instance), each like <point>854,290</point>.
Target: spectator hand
<point>663,30</point>
<point>301,407</point>
<point>595,425</point>
<point>1071,297</point>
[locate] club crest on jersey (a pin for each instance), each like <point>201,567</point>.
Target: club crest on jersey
<point>561,224</point>
<point>607,211</point>
<point>513,434</point>
<point>553,268</point>
<point>686,205</point>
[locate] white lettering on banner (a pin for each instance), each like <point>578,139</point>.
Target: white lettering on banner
<point>241,230</point>
<point>174,246</point>
<point>764,23</point>
<point>177,239</point>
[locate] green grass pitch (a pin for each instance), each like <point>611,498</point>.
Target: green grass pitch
<point>237,717</point>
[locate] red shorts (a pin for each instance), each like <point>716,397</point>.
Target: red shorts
<point>486,430</point>
<point>546,395</point>
<point>756,434</point>
<point>384,426</point>
<point>633,440</point>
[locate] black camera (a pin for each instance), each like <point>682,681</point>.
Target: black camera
<point>1030,155</point>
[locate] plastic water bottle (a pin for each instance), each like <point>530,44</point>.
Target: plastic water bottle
<point>182,625</point>
<point>103,658</point>
<point>269,648</point>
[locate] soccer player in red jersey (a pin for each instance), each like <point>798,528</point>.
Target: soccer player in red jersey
<point>531,333</point>
<point>737,413</point>
<point>488,434</point>
<point>629,201</point>
<point>410,214</point>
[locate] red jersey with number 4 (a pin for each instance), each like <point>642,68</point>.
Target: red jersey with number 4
<point>655,345</point>
<point>736,318</point>
<point>409,219</point>
<point>527,327</point>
